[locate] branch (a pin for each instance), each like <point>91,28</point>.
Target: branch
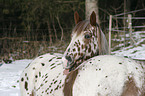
<point>60,27</point>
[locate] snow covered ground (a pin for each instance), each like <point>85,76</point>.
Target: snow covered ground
<point>9,77</point>
<point>132,52</point>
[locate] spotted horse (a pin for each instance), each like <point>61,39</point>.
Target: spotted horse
<point>80,71</point>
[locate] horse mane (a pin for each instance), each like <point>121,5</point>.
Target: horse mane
<point>104,44</point>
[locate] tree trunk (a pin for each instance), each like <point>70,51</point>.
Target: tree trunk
<point>92,5</point>
<point>53,24</point>
<point>60,27</point>
<point>50,34</point>
<point>128,5</point>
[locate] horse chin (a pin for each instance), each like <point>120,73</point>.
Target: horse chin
<point>69,70</point>
<point>66,72</point>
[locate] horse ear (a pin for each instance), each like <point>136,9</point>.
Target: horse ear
<point>93,19</point>
<point>77,18</point>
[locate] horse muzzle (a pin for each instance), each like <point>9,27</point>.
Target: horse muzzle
<point>67,64</point>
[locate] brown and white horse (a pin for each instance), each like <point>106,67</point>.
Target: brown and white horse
<point>80,71</point>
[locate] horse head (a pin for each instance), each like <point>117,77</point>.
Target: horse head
<point>84,43</point>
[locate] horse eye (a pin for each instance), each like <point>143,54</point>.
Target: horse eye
<point>87,36</point>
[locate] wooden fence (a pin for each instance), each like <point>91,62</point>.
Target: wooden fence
<point>127,27</point>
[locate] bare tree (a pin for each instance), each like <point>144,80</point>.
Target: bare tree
<point>92,5</point>
<point>50,33</point>
<point>60,27</point>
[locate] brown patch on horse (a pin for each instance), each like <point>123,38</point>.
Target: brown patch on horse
<point>130,88</point>
<point>69,81</point>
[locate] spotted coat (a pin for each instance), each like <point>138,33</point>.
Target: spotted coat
<point>98,76</point>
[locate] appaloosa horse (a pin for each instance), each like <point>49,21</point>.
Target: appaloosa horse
<point>80,71</point>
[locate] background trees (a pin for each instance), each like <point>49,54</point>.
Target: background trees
<point>34,17</point>
<point>90,6</point>
<point>52,20</point>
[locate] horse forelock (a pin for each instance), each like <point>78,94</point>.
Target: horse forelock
<point>81,27</point>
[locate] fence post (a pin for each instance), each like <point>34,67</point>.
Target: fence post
<point>110,27</point>
<point>130,29</point>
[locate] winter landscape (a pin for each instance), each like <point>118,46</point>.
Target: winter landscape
<point>30,28</point>
<point>10,73</point>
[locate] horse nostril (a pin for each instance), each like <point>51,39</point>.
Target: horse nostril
<point>68,58</point>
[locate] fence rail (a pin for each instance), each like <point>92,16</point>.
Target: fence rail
<point>130,12</point>
<point>127,17</point>
<point>132,27</point>
<point>128,28</point>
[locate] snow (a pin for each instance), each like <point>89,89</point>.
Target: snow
<point>132,52</point>
<point>135,52</point>
<point>9,77</point>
